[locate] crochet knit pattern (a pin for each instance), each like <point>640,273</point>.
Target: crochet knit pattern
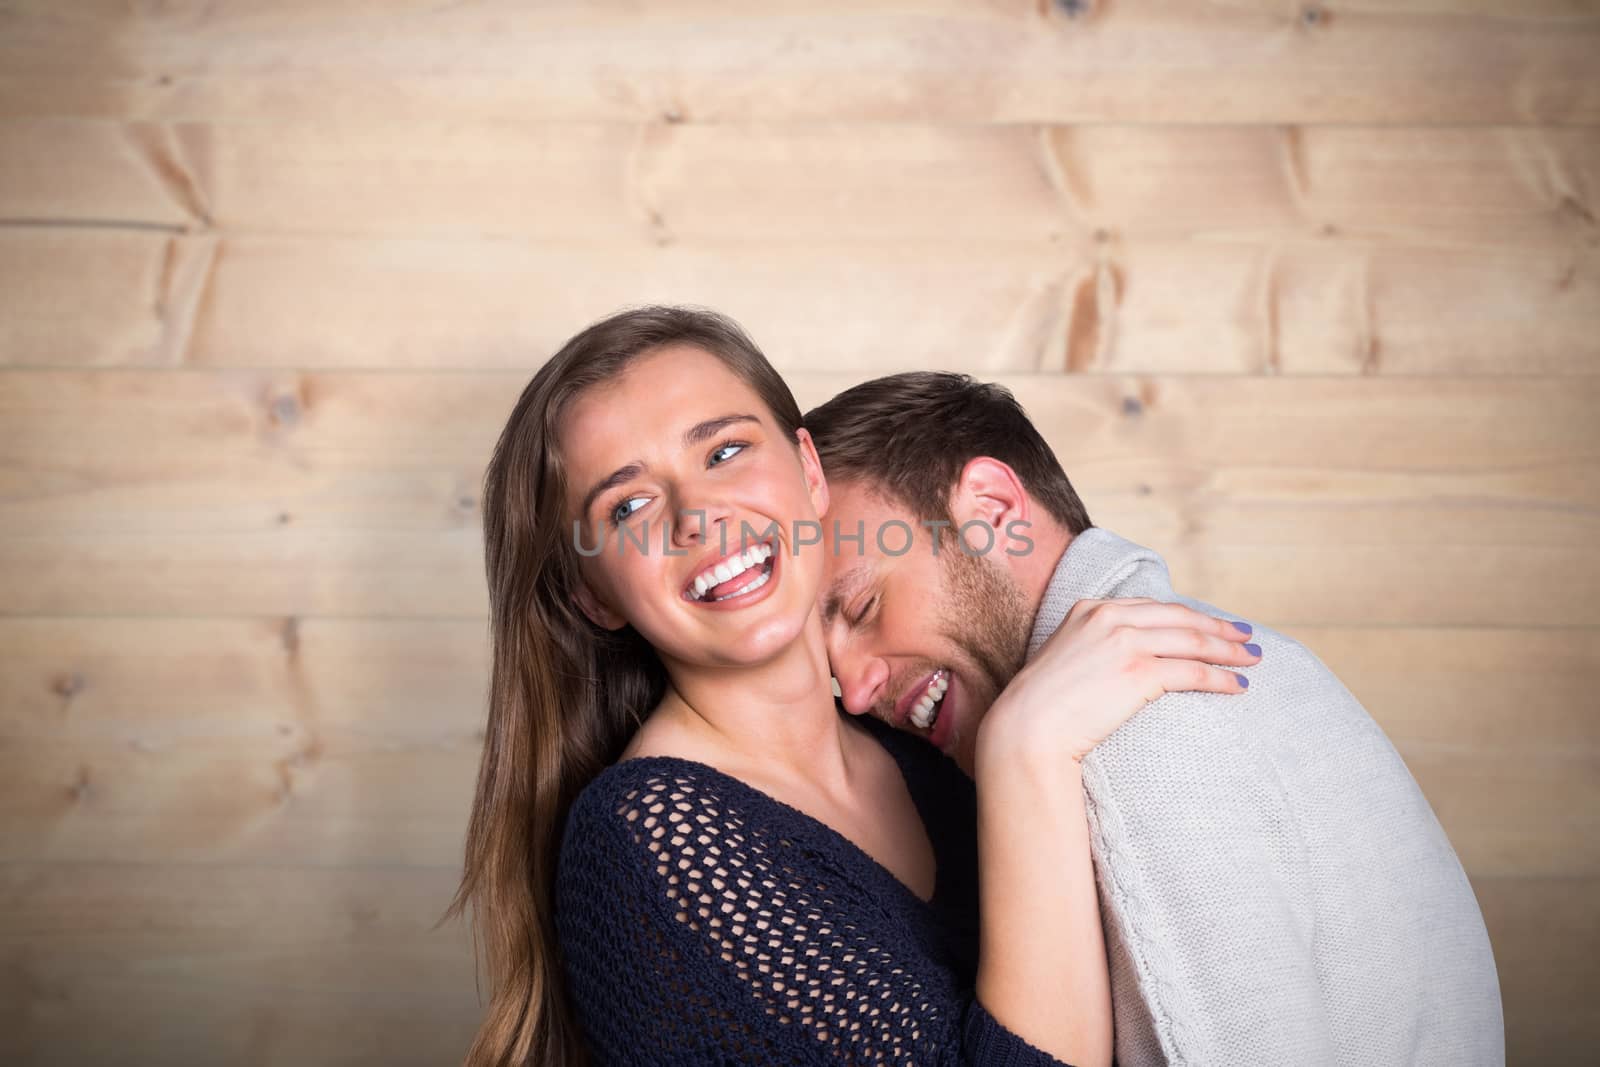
<point>705,922</point>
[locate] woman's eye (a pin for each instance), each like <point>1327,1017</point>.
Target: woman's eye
<point>621,512</point>
<point>726,452</point>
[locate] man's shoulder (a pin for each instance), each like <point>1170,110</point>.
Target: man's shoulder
<point>1295,715</point>
<point>1134,570</point>
<point>1288,650</point>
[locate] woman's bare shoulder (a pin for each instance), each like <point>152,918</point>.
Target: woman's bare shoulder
<point>660,735</point>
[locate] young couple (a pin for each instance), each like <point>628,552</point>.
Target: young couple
<point>684,850</point>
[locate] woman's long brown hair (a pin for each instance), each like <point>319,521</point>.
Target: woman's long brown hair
<point>564,694</point>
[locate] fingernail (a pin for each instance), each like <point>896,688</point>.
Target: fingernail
<point>1254,650</point>
<point>1244,627</point>
<point>1244,683</point>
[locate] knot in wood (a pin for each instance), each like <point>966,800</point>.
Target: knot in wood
<point>284,410</point>
<point>68,685</point>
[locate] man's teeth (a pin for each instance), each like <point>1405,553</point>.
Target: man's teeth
<point>925,712</point>
<point>732,567</point>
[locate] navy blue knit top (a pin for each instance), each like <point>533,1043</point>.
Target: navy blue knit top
<point>703,922</point>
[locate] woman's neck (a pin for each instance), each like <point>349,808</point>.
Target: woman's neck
<point>775,721</point>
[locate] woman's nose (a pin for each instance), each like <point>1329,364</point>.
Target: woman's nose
<point>696,523</point>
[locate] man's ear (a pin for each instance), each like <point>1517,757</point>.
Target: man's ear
<point>811,463</point>
<point>989,491</point>
<point>597,612</point>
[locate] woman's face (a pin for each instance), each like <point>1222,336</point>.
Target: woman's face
<point>667,466</point>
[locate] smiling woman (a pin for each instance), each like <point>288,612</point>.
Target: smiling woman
<point>683,496</point>
<point>681,849</point>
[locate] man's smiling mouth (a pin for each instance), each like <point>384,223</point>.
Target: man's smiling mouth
<point>925,708</point>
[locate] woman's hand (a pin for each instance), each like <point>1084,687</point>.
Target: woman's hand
<point>1108,659</point>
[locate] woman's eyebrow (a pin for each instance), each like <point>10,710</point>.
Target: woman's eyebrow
<point>701,431</point>
<point>615,478</point>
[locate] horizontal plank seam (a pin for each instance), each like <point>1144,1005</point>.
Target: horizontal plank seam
<point>466,116</point>
<point>799,122</point>
<point>1005,376</point>
<point>97,224</point>
<point>1276,624</point>
<point>1221,234</point>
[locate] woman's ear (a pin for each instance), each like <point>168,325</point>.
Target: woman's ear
<point>598,613</point>
<point>811,464</point>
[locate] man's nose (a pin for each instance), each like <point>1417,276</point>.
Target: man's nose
<point>861,679</point>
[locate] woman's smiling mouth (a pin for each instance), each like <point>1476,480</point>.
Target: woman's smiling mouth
<point>735,576</point>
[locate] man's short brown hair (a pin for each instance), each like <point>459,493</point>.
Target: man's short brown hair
<point>911,434</point>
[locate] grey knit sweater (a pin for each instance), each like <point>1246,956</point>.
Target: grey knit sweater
<point>1275,887</point>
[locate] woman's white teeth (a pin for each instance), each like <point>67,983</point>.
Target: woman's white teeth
<point>925,712</point>
<point>759,581</point>
<point>731,568</point>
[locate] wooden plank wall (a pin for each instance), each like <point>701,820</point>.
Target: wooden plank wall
<point>1307,296</point>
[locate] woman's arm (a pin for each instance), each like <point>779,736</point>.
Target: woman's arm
<point>1042,969</point>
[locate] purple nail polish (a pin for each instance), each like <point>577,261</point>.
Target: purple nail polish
<point>1254,650</point>
<point>1244,627</point>
<point>1244,683</point>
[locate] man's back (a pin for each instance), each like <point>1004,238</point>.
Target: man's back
<point>1276,888</point>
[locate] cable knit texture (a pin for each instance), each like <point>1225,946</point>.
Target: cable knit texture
<point>1275,888</point>
<point>705,922</point>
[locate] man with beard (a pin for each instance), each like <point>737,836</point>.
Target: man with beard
<point>1275,888</point>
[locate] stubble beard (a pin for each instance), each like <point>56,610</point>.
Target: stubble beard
<point>985,615</point>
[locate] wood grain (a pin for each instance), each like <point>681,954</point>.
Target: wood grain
<point>334,742</point>
<point>1544,933</point>
<point>177,964</point>
<point>375,800</point>
<point>1405,501</point>
<point>246,951</point>
<point>1000,61</point>
<point>152,683</point>
<point>570,181</point>
<point>1483,689</point>
<point>1306,295</point>
<point>137,297</point>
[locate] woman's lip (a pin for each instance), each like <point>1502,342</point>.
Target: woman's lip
<point>688,590</point>
<point>755,596</point>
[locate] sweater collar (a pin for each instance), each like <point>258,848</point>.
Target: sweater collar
<point>1094,562</point>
